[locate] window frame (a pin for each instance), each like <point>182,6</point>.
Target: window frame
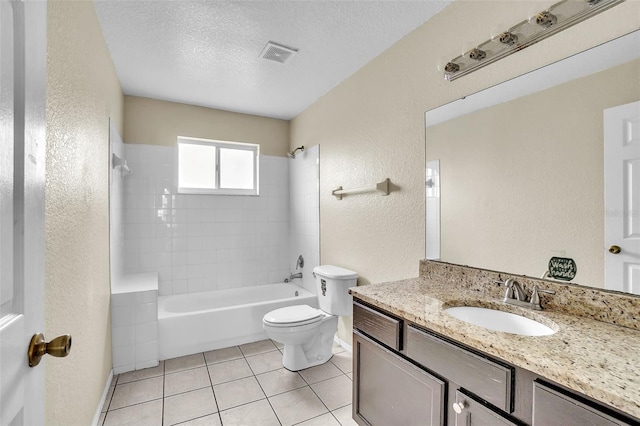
<point>218,144</point>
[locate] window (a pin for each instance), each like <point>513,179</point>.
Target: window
<point>217,167</point>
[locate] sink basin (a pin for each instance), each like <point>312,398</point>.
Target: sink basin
<point>500,321</point>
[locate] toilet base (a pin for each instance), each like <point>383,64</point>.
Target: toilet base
<point>296,359</point>
<point>315,351</point>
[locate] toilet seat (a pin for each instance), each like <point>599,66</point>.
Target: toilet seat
<point>293,316</point>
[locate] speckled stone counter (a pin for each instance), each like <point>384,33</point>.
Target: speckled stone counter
<point>596,358</point>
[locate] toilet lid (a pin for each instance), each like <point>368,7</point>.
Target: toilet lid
<point>293,315</point>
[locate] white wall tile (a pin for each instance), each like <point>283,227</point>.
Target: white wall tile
<point>145,352</point>
<point>146,332</point>
<point>123,356</point>
<point>122,300</point>
<point>146,312</point>
<point>123,315</point>
<point>123,336</point>
<point>209,238</point>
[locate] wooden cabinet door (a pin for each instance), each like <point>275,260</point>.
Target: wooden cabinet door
<point>553,407</point>
<point>473,413</point>
<point>388,390</point>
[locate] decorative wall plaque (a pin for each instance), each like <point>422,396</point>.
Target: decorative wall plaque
<point>562,268</point>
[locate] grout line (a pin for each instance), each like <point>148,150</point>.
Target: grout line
<point>137,403</point>
<point>182,393</point>
<point>213,391</point>
<point>164,370</point>
<point>267,398</point>
<point>232,380</point>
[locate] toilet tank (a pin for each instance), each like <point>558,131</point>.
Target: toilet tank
<point>332,285</point>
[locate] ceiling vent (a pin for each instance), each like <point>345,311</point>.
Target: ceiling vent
<point>278,53</point>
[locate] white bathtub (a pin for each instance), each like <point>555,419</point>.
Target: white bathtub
<point>199,322</point>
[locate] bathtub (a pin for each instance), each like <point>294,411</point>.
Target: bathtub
<point>199,322</point>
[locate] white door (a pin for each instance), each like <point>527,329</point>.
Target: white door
<point>622,197</point>
<point>22,156</point>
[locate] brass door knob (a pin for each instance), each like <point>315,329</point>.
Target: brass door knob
<point>38,347</point>
<point>615,249</point>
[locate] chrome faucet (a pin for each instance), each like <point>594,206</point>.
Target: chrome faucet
<point>515,294</point>
<point>292,277</point>
<point>514,291</point>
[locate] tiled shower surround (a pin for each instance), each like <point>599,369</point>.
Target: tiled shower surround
<point>205,242</point>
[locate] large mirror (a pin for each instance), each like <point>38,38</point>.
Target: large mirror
<point>522,175</point>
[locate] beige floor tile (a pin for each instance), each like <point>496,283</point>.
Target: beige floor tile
<point>278,344</point>
<point>350,375</point>
<point>279,381</point>
<point>326,419</point>
<point>184,363</point>
<point>344,416</point>
<point>146,414</point>
<point>222,355</point>
<point>344,361</point>
<point>334,393</point>
<point>320,372</point>
<point>136,392</point>
<point>238,392</point>
<point>255,348</point>
<point>297,406</point>
<point>229,371</point>
<point>254,414</point>
<point>210,420</point>
<point>267,361</point>
<point>145,373</point>
<point>188,406</point>
<point>186,380</point>
<point>336,348</point>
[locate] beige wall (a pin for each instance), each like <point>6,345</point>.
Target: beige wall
<point>371,126</point>
<point>154,122</point>
<point>525,179</point>
<point>82,94</point>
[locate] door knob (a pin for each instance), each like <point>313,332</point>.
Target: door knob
<point>38,347</point>
<point>615,249</point>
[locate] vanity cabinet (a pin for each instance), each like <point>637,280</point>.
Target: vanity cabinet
<point>405,374</point>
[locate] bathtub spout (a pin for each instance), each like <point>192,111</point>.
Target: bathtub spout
<point>293,276</point>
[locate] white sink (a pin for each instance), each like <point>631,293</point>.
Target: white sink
<point>500,321</point>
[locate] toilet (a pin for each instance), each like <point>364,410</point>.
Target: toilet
<point>306,332</point>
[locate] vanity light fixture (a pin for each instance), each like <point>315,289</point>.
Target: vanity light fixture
<point>561,15</point>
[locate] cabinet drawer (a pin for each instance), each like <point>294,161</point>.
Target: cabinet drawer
<point>483,377</point>
<point>381,327</point>
<point>552,406</point>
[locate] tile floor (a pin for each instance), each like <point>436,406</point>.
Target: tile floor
<point>242,385</point>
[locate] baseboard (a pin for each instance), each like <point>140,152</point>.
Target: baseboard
<point>347,347</point>
<point>96,417</point>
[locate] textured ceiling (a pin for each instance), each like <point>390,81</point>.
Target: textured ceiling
<point>207,52</point>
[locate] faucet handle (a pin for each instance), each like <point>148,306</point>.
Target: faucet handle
<point>535,296</point>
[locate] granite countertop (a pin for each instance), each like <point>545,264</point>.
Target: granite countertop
<point>592,357</point>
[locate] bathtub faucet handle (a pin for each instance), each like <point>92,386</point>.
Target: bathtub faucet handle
<point>300,262</point>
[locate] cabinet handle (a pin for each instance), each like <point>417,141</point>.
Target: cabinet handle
<point>458,407</point>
